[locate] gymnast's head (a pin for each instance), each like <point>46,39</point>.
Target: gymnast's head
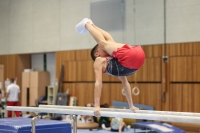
<point>98,52</point>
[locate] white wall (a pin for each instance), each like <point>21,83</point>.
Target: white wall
<point>183,18</point>
<point>37,63</point>
<point>4,26</point>
<point>182,21</point>
<point>37,26</point>
<point>149,21</point>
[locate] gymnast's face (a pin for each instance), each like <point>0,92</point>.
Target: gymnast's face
<point>100,52</point>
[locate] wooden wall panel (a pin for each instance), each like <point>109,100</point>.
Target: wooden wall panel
<point>70,71</point>
<point>178,67</point>
<point>62,57</point>
<point>194,65</point>
<point>196,48</point>
<point>183,49</point>
<point>109,78</point>
<point>153,50</point>
<point>134,77</point>
<point>89,93</point>
<point>2,77</point>
<point>10,63</point>
<point>69,87</point>
<point>150,71</point>
<point>83,55</point>
<point>81,94</point>
<point>185,69</point>
<point>157,51</point>
<point>14,65</point>
<point>173,69</point>
<point>196,97</point>
<point>173,50</point>
<point>83,91</point>
<point>106,94</point>
<point>184,97</point>
<point>116,92</point>
<point>196,69</point>
<point>85,71</point>
<point>90,71</point>
<point>3,61</point>
<point>191,98</point>
<point>11,66</point>
<point>105,77</point>
<point>154,77</point>
<point>150,94</point>
<point>187,102</point>
<point>68,56</point>
<point>81,70</point>
<point>176,97</point>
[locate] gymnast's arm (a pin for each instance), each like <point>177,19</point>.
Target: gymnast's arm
<point>98,66</point>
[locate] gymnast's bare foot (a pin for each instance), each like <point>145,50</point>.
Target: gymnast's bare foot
<point>133,108</point>
<point>97,111</point>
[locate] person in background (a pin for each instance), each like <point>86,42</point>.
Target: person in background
<point>1,106</point>
<point>89,118</point>
<point>0,97</point>
<point>104,121</point>
<point>116,125</point>
<point>0,103</point>
<point>12,96</point>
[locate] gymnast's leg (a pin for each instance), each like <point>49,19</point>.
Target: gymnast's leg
<point>100,37</point>
<point>106,35</point>
<point>127,89</point>
<point>108,46</point>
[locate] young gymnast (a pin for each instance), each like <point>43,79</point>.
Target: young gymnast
<point>115,125</point>
<point>112,58</point>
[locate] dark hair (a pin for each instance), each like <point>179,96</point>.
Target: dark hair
<point>93,51</point>
<point>105,105</point>
<point>12,80</point>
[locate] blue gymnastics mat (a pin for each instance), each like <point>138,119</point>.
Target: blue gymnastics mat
<point>23,125</point>
<point>104,131</point>
<point>158,127</point>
